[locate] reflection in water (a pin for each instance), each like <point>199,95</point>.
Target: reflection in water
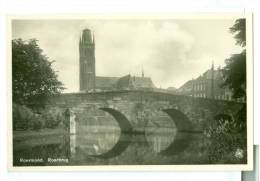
<point>125,134</point>
<point>160,133</point>
<point>72,133</point>
<point>42,155</point>
<point>160,138</point>
<point>100,141</point>
<point>97,139</point>
<point>183,138</point>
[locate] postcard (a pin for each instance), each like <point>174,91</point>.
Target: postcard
<point>130,92</point>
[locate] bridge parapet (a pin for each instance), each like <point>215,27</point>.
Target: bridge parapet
<point>139,104</point>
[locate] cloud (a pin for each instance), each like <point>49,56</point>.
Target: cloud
<point>158,47</point>
<point>170,51</point>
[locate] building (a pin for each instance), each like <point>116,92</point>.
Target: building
<point>126,82</point>
<point>90,82</point>
<point>87,70</point>
<point>208,85</point>
<point>129,82</point>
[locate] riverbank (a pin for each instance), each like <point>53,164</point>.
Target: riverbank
<point>33,138</point>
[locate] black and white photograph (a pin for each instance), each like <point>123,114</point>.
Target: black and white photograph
<point>131,91</point>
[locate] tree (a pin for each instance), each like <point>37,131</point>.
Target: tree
<point>33,79</point>
<point>235,74</point>
<point>235,70</point>
<point>239,29</point>
<point>228,134</point>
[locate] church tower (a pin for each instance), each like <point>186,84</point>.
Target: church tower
<point>87,72</point>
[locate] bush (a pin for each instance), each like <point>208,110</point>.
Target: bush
<point>52,118</point>
<point>228,139</point>
<point>37,122</point>
<point>22,116</point>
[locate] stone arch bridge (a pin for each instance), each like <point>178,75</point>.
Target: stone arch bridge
<point>139,117</point>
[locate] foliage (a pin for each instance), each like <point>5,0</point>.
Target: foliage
<point>33,78</point>
<point>227,137</point>
<point>235,74</point>
<point>22,116</point>
<point>235,70</point>
<point>37,123</point>
<point>52,118</point>
<point>239,29</point>
<point>25,119</point>
<point>227,134</point>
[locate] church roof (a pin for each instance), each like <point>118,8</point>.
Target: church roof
<point>125,82</point>
<point>143,82</point>
<point>105,82</point>
<point>133,82</point>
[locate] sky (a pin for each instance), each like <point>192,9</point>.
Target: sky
<point>170,51</point>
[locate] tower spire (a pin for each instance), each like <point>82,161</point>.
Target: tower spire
<point>142,72</point>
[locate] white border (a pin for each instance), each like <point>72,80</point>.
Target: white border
<point>226,167</point>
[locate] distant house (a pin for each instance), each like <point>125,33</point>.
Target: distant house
<point>186,88</point>
<point>208,85</point>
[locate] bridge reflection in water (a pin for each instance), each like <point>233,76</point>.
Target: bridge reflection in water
<point>108,139</point>
<point>100,140</point>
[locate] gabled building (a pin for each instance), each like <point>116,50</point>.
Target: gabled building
<point>89,82</point>
<point>208,85</point>
<point>129,82</point>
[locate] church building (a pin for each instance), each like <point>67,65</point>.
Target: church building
<point>88,80</point>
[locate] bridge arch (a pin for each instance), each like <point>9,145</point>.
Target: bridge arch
<point>125,135</point>
<point>184,132</point>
